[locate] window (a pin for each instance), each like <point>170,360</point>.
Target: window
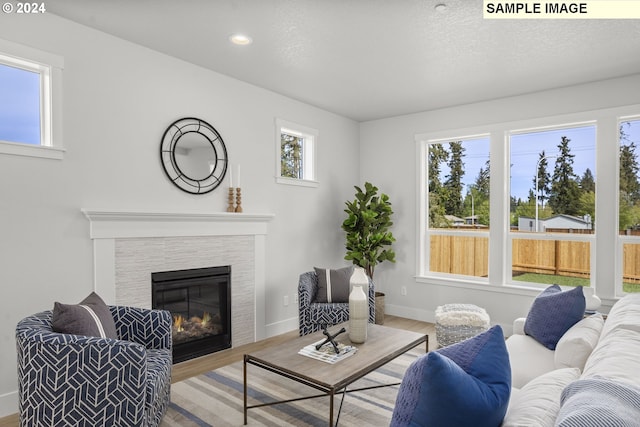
<point>30,89</point>
<point>552,204</point>
<point>20,110</point>
<point>457,181</point>
<point>295,145</point>
<point>629,204</point>
<point>545,216</point>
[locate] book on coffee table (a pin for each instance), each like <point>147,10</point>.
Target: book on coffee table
<point>326,353</point>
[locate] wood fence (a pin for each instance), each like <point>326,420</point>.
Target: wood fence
<point>631,263</point>
<point>469,256</point>
<point>555,257</point>
<point>460,255</point>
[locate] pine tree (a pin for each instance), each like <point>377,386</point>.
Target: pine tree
<point>481,192</point>
<point>544,179</point>
<point>437,155</point>
<point>453,183</point>
<point>587,182</point>
<point>629,206</point>
<point>564,197</point>
<point>629,185</point>
<point>482,183</point>
<point>291,156</point>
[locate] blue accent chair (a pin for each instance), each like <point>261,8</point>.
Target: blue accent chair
<point>74,380</point>
<point>313,316</point>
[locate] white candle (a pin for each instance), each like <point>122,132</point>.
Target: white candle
<point>230,178</point>
<point>238,176</point>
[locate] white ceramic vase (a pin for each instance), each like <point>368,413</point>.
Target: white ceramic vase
<point>358,315</point>
<point>359,277</point>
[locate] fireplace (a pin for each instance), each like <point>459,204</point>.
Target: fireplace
<point>199,300</point>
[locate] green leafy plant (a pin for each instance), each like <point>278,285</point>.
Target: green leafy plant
<point>367,226</point>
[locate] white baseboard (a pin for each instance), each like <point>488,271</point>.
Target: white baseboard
<point>430,316</point>
<point>8,403</point>
<point>281,327</point>
<point>410,313</point>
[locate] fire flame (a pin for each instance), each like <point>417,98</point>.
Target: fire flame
<point>177,322</point>
<point>206,318</point>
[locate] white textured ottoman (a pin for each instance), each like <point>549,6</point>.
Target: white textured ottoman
<point>457,322</point>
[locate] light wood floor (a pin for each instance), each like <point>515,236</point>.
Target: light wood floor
<point>198,366</point>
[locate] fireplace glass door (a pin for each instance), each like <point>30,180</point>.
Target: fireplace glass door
<point>200,303</point>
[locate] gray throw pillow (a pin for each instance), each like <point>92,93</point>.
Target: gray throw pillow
<point>91,317</point>
<point>333,285</point>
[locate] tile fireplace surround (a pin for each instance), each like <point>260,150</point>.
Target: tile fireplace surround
<point>128,246</point>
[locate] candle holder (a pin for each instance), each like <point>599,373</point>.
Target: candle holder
<point>230,207</point>
<point>238,200</point>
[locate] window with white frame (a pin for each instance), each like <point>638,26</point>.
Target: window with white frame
<point>551,217</point>
<point>296,154</point>
<point>552,204</point>
<point>629,204</point>
<point>30,83</point>
<point>457,179</point>
<point>20,111</point>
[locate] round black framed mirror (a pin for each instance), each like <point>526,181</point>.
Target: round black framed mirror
<point>193,155</point>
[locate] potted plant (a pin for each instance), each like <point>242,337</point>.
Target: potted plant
<point>368,239</point>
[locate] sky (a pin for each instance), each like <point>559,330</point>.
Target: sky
<point>19,114</point>
<point>525,150</point>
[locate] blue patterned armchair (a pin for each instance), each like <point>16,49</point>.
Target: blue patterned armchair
<point>314,315</point>
<point>75,380</point>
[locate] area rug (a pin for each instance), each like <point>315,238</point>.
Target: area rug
<point>216,399</point>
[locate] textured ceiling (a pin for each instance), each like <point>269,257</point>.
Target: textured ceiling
<point>370,59</point>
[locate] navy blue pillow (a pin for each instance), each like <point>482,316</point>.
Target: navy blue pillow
<point>552,313</point>
<point>464,384</point>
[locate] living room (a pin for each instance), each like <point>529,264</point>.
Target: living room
<point>118,97</point>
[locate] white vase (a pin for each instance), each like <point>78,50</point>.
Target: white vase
<point>359,277</point>
<point>358,315</point>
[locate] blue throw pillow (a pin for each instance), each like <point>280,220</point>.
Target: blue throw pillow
<point>552,313</point>
<point>464,384</point>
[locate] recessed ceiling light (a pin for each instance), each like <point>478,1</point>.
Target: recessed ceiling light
<point>440,7</point>
<point>240,39</point>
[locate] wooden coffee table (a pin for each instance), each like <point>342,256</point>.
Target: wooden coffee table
<point>383,344</point>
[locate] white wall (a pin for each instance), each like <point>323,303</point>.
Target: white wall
<point>388,159</point>
<point>118,100</point>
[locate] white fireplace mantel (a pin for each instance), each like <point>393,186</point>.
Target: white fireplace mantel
<point>107,226</point>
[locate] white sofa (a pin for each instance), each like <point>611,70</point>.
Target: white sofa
<point>594,350</point>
